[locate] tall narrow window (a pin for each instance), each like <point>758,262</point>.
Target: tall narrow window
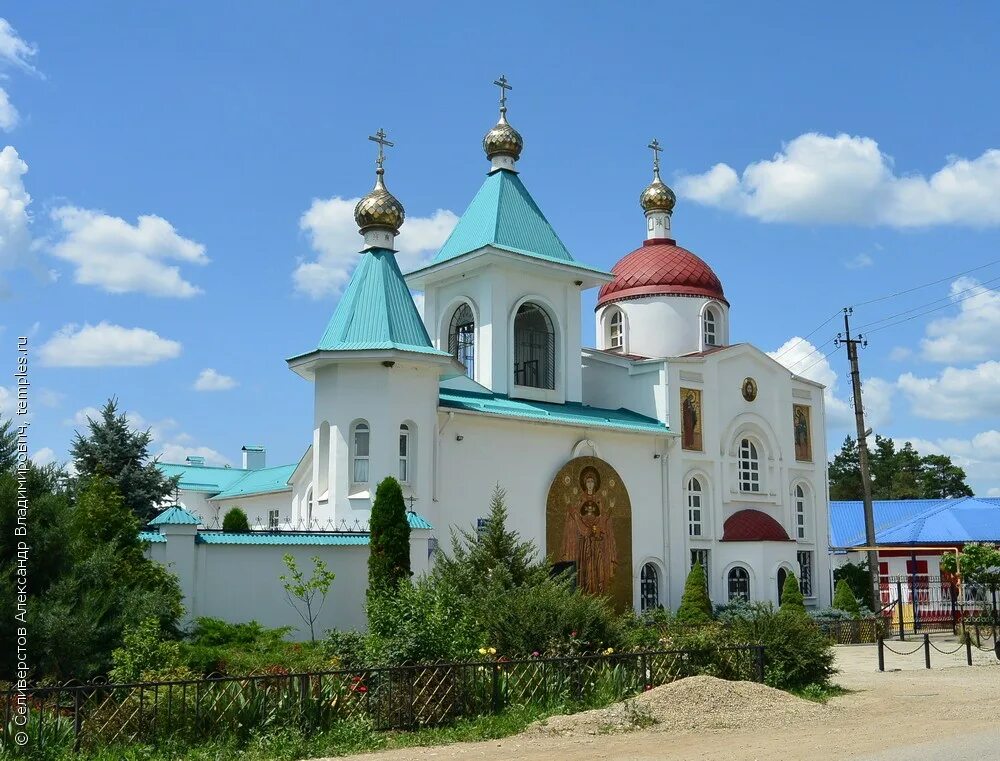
<point>404,453</point>
<point>361,437</point>
<point>749,467</point>
<point>462,338</point>
<point>649,587</point>
<point>273,519</point>
<point>805,573</point>
<point>694,508</point>
<point>309,508</point>
<point>616,330</point>
<point>800,512</point>
<point>709,326</point>
<point>703,558</point>
<point>739,584</point>
<point>534,348</point>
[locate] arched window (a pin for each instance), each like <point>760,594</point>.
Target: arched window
<point>739,584</point>
<point>616,330</point>
<point>800,512</point>
<point>782,578</point>
<point>462,338</point>
<point>749,467</point>
<point>534,348</point>
<point>694,508</point>
<point>649,587</point>
<point>309,508</point>
<point>360,437</point>
<point>708,325</point>
<point>404,453</point>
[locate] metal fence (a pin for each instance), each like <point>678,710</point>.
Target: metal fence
<point>918,602</point>
<point>102,715</point>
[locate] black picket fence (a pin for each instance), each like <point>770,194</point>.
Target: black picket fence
<point>103,715</point>
<point>918,603</point>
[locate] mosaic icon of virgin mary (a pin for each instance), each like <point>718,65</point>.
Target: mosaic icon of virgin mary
<point>588,536</point>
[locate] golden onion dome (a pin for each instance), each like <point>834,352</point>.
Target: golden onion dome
<point>658,196</point>
<point>503,140</point>
<point>379,208</point>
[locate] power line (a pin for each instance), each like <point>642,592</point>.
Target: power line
<point>808,335</point>
<point>825,356</point>
<point>950,299</point>
<point>915,316</point>
<point>924,285</point>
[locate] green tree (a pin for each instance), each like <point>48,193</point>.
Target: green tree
<point>8,446</point>
<point>235,522</point>
<point>859,580</point>
<point>896,473</point>
<point>980,563</point>
<point>844,599</point>
<point>792,600</point>
<point>307,596</point>
<point>389,556</point>
<point>696,607</point>
<point>147,655</point>
<point>113,449</point>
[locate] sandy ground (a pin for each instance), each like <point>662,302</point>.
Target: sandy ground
<point>951,711</point>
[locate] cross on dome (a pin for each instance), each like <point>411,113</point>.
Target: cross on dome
<point>504,87</point>
<point>380,138</point>
<point>655,146</point>
<point>503,143</point>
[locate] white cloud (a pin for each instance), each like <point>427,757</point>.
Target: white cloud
<point>174,452</point>
<point>49,398</point>
<point>802,358</point>
<point>8,401</point>
<point>106,345</point>
<point>979,456</point>
<point>974,333</point>
<point>9,116</point>
<point>14,50</point>
<point>899,353</point>
<point>210,380</point>
<point>15,238</point>
<point>333,234</point>
<point>859,262</point>
<point>849,180</point>
<point>955,394</point>
<point>43,456</point>
<point>123,258</point>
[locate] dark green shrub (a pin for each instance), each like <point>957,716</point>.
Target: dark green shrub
<point>859,580</point>
<point>214,646</point>
<point>235,522</point>
<point>696,607</point>
<point>345,649</point>
<point>797,653</point>
<point>792,600</point>
<point>845,600</point>
<point>389,559</point>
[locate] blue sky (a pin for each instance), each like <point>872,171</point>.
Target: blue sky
<point>176,188</point>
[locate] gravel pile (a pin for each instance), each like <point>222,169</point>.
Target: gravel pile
<point>698,702</point>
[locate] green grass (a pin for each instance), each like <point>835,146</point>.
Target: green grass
<point>821,693</point>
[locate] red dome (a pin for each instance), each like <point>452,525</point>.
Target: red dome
<point>661,268</point>
<point>753,526</point>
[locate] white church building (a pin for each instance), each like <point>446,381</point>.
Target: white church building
<point>662,446</point>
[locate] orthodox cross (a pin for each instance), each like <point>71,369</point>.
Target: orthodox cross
<point>504,87</point>
<point>379,137</point>
<point>411,499</point>
<point>655,145</point>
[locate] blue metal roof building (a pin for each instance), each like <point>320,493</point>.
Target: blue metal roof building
<point>917,521</point>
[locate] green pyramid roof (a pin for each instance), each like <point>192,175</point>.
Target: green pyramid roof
<point>175,516</point>
<point>377,311</point>
<point>504,215</point>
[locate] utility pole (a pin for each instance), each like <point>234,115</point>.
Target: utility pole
<point>859,419</point>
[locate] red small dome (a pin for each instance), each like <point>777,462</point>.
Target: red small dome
<point>661,268</point>
<point>753,526</point>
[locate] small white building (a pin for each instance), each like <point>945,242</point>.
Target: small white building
<point>661,446</point>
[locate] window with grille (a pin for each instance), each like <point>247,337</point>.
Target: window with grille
<point>739,584</point>
<point>694,508</point>
<point>359,454</point>
<point>805,573</point>
<point>404,453</point>
<point>649,587</point>
<point>800,512</point>
<point>534,348</point>
<point>273,519</point>
<point>749,467</point>
<point>462,338</point>
<point>702,557</point>
<point>708,326</point>
<point>616,330</point>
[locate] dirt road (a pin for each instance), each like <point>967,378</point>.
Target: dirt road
<point>910,713</point>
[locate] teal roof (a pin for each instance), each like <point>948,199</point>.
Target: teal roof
<point>207,478</point>
<point>261,538</point>
<point>175,516</point>
<point>152,537</point>
<point>570,413</point>
<point>417,521</point>
<point>504,215</point>
<point>377,311</point>
<point>259,482</point>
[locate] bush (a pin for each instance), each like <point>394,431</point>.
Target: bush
<point>696,607</point>
<point>389,558</point>
<point>214,646</point>
<point>146,656</point>
<point>345,649</point>
<point>859,580</point>
<point>796,652</point>
<point>235,522</point>
<point>792,600</point>
<point>845,600</point>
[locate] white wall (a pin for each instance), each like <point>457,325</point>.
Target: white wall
<point>256,506</point>
<point>663,326</point>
